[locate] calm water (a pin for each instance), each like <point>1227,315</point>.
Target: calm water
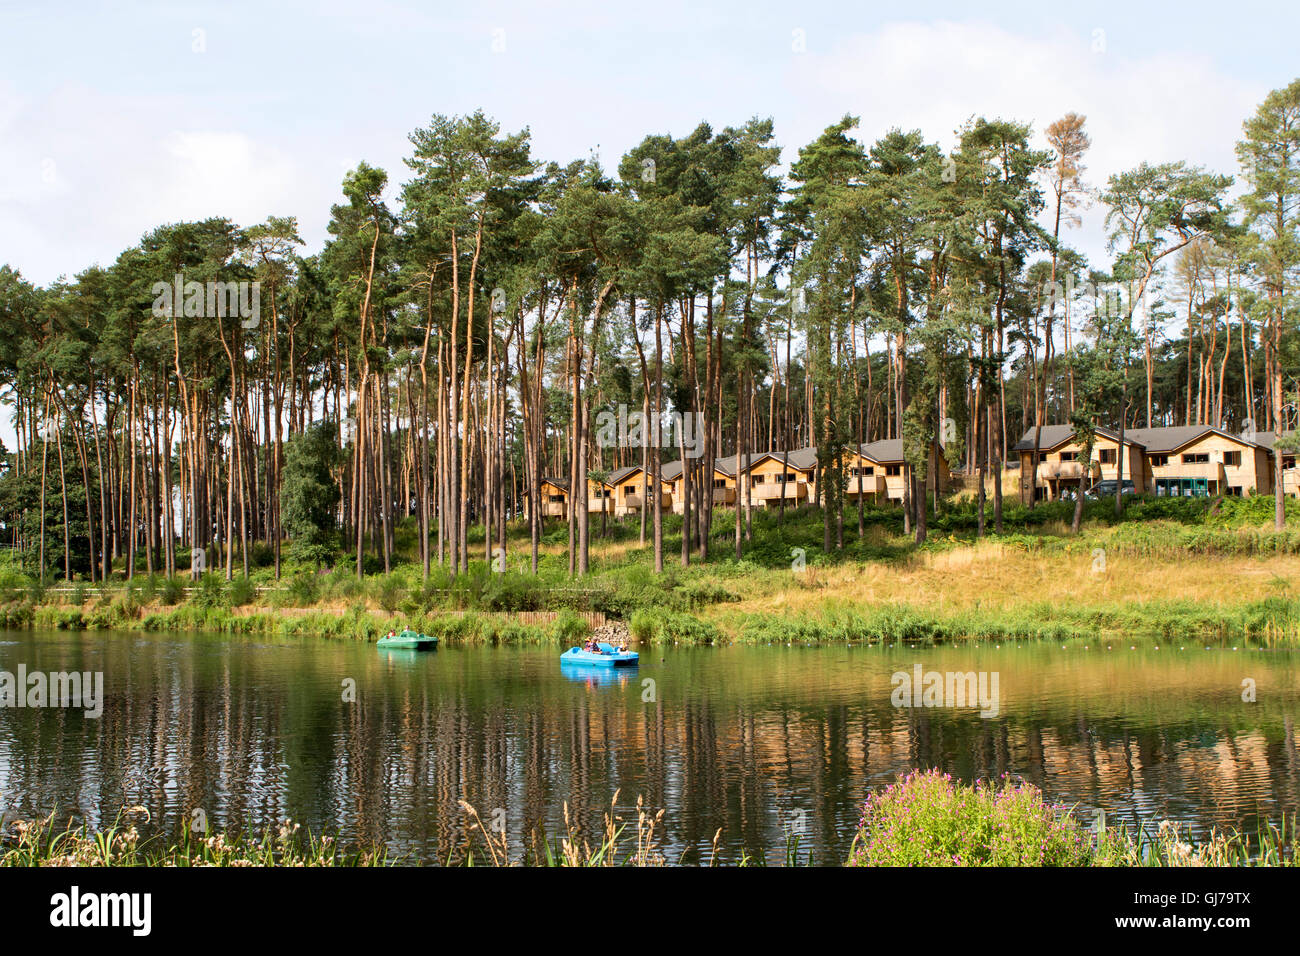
<point>749,740</point>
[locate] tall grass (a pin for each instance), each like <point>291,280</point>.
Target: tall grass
<point>927,819</point>
<point>614,845</point>
<point>42,843</point>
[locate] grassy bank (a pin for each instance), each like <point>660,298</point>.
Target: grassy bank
<point>1194,569</point>
<point>923,820</point>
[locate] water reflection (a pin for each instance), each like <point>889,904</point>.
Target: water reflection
<point>749,741</point>
<point>594,675</point>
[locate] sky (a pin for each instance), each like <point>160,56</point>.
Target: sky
<point>115,119</point>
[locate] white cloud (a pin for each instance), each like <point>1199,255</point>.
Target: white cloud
<point>934,76</point>
<point>85,174</point>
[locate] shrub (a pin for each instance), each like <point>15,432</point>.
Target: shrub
<point>707,592</point>
<point>667,627</point>
<point>16,614</point>
<point>304,588</point>
<point>63,619</point>
<point>568,628</point>
<point>36,591</point>
<point>210,591</point>
<point>390,591</point>
<point>172,591</point>
<point>241,591</point>
<point>511,591</point>
<point>927,820</point>
<point>13,584</point>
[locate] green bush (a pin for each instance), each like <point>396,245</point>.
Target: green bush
<point>172,591</point>
<point>16,614</point>
<point>568,628</point>
<point>36,591</point>
<point>241,591</point>
<point>668,627</point>
<point>927,820</point>
<point>511,591</point>
<point>390,591</point>
<point>63,619</point>
<point>210,591</point>
<point>13,584</point>
<point>304,588</point>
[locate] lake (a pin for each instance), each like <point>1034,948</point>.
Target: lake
<point>759,742</point>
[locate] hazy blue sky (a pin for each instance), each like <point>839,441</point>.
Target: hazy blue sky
<point>117,118</point>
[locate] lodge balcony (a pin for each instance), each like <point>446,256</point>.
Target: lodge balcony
<point>632,502</point>
<point>776,490</point>
<point>865,485</point>
<point>1211,470</point>
<point>1060,470</point>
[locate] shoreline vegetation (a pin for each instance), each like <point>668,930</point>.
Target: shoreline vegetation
<point>1200,570</point>
<point>924,819</point>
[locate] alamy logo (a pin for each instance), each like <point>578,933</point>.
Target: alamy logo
<point>624,429</point>
<point>55,689</point>
<point>951,689</point>
<point>1108,300</point>
<point>210,300</point>
<point>74,908</point>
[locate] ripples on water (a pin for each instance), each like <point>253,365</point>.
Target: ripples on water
<point>754,741</point>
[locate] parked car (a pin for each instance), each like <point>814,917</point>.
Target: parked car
<point>1106,488</point>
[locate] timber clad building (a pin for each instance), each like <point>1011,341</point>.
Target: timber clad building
<point>874,471</point>
<point>1195,460</point>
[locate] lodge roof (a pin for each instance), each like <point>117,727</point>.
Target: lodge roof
<point>1150,440</point>
<point>885,451</point>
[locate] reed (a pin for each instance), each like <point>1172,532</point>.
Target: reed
<point>43,843</point>
<point>924,820</point>
<point>612,845</point>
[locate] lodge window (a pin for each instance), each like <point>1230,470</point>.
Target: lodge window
<point>758,479</point>
<point>1185,487</point>
<point>557,499</point>
<point>1196,458</point>
<point>1106,456</point>
<point>1234,490</point>
<point>719,482</point>
<point>1069,456</point>
<point>1288,461</point>
<point>1232,459</point>
<point>1159,461</point>
<point>893,470</point>
<point>628,491</point>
